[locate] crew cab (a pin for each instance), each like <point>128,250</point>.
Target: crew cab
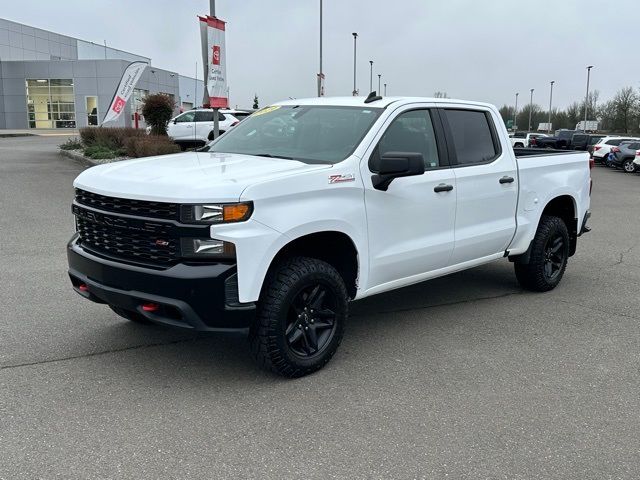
<point>273,228</point>
<point>561,140</point>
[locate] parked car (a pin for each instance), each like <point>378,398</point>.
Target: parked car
<point>636,161</point>
<point>561,140</point>
<point>622,156</point>
<point>272,231</point>
<point>593,140</point>
<point>582,141</point>
<point>603,147</point>
<point>524,139</point>
<point>195,127</point>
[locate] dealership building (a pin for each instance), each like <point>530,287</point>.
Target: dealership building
<point>48,80</point>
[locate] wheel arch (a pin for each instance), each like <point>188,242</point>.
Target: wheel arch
<point>334,247</point>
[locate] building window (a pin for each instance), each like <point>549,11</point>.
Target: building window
<point>92,110</point>
<point>50,103</point>
<point>138,98</point>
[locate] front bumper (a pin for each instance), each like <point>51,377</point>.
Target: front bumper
<point>194,297</point>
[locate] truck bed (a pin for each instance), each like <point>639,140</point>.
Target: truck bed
<point>541,152</point>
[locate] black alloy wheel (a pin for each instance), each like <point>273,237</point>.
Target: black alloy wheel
<point>311,321</point>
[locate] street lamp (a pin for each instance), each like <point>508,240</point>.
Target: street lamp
<point>550,98</point>
<point>586,99</point>
<point>530,109</point>
<point>320,74</point>
<point>371,76</point>
<point>515,114</point>
<point>379,77</point>
<point>355,41</point>
<point>385,89</point>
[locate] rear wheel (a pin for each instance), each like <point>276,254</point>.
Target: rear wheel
<point>131,316</point>
<point>301,317</point>
<point>628,166</point>
<point>548,257</point>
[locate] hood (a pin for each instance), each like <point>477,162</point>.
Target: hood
<point>190,177</point>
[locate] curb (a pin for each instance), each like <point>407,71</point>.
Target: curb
<point>13,135</point>
<point>78,157</point>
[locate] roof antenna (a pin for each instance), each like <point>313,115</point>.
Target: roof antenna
<point>373,97</point>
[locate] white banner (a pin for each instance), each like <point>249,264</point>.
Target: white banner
<point>125,88</point>
<point>212,32</point>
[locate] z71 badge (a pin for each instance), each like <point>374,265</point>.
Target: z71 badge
<point>349,177</point>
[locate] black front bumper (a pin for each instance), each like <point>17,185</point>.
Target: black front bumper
<point>196,297</point>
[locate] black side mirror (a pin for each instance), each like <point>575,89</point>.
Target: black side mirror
<point>175,120</point>
<point>397,164</point>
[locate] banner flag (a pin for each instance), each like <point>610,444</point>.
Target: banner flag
<point>214,58</point>
<point>129,79</point>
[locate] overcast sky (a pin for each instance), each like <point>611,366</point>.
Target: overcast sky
<point>483,50</point>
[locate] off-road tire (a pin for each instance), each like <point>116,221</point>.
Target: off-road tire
<point>131,316</point>
<point>278,305</point>
<point>535,274</point>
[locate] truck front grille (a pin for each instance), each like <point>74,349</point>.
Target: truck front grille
<point>138,208</point>
<point>153,245</point>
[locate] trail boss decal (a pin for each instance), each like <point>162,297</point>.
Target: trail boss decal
<point>349,177</point>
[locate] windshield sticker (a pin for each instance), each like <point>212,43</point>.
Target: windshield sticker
<point>349,177</point>
<point>266,110</point>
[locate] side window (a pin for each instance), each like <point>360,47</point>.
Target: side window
<point>615,142</point>
<point>412,132</point>
<point>204,116</point>
<point>221,117</point>
<point>185,117</point>
<point>473,138</point>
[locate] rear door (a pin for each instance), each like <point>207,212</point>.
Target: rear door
<point>486,182</point>
<point>410,225</point>
<point>204,124</point>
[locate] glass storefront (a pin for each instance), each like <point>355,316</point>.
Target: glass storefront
<point>50,103</point>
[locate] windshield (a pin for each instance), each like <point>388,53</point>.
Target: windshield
<point>312,134</point>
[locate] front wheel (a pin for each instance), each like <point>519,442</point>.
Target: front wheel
<point>301,317</point>
<point>548,258</point>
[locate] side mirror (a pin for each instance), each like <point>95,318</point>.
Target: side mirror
<point>175,120</point>
<point>397,164</point>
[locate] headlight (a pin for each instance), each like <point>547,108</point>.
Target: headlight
<point>217,213</point>
<point>207,248</point>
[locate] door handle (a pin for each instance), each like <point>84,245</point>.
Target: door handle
<point>443,188</point>
<point>506,179</point>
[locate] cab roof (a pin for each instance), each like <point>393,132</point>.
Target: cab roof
<point>381,103</point>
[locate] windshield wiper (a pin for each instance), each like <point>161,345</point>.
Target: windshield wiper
<point>268,155</point>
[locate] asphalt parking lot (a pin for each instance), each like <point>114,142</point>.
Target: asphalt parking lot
<point>466,376</point>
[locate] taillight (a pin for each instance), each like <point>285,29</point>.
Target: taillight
<point>615,149</point>
<point>235,123</point>
<point>596,148</point>
<point>532,141</point>
<point>592,163</point>
<point>637,153</point>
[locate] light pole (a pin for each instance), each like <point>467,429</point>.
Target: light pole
<point>385,89</point>
<point>216,120</point>
<point>379,78</point>
<point>355,41</point>
<point>320,75</point>
<point>550,99</point>
<point>371,76</point>
<point>530,109</point>
<point>586,99</point>
<point>515,114</point>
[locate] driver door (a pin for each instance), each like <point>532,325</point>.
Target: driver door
<point>182,128</point>
<point>411,225</point>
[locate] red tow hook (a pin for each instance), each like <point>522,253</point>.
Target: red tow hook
<point>83,287</point>
<point>150,307</point>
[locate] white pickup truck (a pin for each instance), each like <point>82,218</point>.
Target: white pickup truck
<point>274,227</point>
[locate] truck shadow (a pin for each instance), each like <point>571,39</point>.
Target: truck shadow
<point>223,360</point>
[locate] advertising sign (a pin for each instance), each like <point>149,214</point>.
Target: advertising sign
<point>212,31</point>
<point>124,91</point>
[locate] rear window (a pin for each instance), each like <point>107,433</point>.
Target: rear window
<point>615,141</point>
<point>473,137</point>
